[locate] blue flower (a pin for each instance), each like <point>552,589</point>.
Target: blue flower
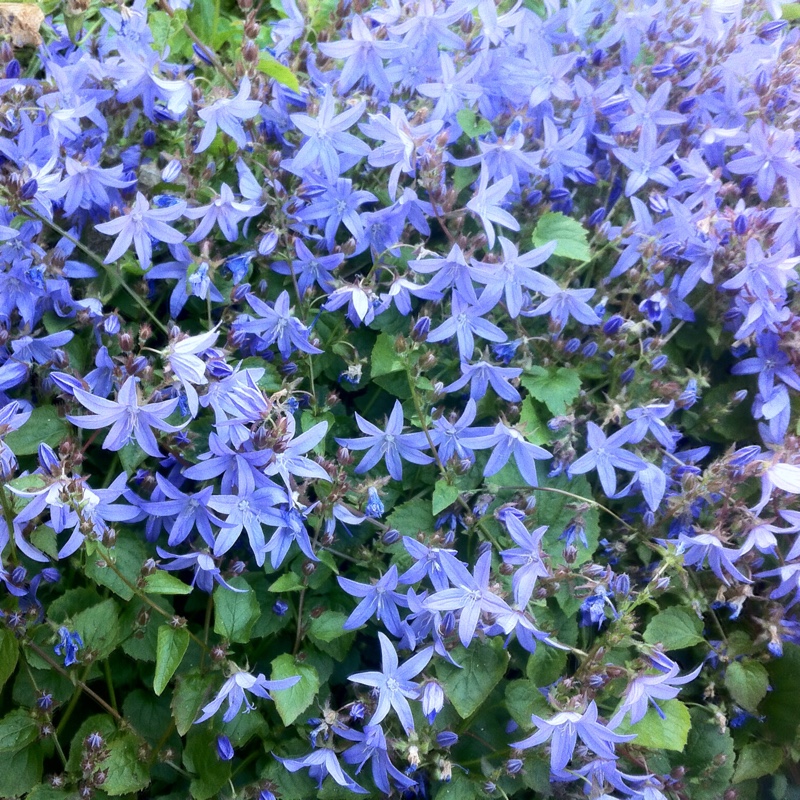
<point>391,444</point>
<point>228,114</point>
<point>141,226</point>
<point>394,684</point>
<point>127,417</point>
<point>380,600</point>
<point>234,691</point>
<point>69,644</point>
<point>565,728</point>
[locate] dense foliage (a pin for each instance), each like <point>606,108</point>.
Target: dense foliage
<point>401,399</point>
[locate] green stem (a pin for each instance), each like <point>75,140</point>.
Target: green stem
<point>565,493</point>
<point>208,52</point>
<point>107,268</point>
<point>38,691</point>
<point>9,516</point>
<point>157,608</point>
<point>110,685</point>
<point>422,421</point>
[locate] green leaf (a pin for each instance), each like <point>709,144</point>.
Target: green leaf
<point>557,511</point>
<point>782,704</point>
<point>748,682</point>
<point>17,730</point>
<point>44,426</point>
<point>570,235</point>
<point>546,665</point>
<point>791,11</point>
<point>9,653</point>
<point>756,760</point>
<point>457,788</point>
<point>656,733</point>
<point>523,699</point>
<point>288,582</point>
<point>328,626</point>
<point>22,773</point>
<point>708,757</point>
<point>170,650</point>
<point>200,758</point>
<point>472,124</point>
<point>463,177</point>
<point>131,456</point>
<point>149,716</point>
<point>270,66</point>
<point>165,27</point>
<point>411,518</point>
<point>321,13</point>
<point>127,556</point>
<point>482,667</point>
<point>292,702</point>
<point>203,18</point>
<point>329,561</point>
<point>126,771</point>
<point>99,628</point>
<point>235,613</point>
<point>556,388</point>
<point>444,495</point>
<point>674,629</point>
<point>188,698</point>
<point>384,359</point>
<point>161,582</point>
<point>535,429</point>
<point>328,635</point>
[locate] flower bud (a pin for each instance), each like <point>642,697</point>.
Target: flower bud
<point>48,460</point>
<point>432,700</point>
<point>446,739</point>
<point>171,172</point>
<point>268,243</point>
<point>224,748</point>
<point>250,51</point>
<point>421,329</point>
<point>513,766</point>
<point>390,537</point>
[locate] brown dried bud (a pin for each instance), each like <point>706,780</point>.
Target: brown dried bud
<point>428,361</point>
<point>250,51</point>
<point>125,342</point>
<point>251,29</point>
<point>218,653</point>
<point>149,567</point>
<point>309,568</point>
<point>344,456</point>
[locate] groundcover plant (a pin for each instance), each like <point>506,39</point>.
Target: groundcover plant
<point>400,399</point>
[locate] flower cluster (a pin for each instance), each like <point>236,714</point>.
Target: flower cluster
<point>439,359</point>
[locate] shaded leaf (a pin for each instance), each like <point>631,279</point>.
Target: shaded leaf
<point>482,667</point>
<point>126,771</point>
<point>747,681</point>
<point>44,426</point>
